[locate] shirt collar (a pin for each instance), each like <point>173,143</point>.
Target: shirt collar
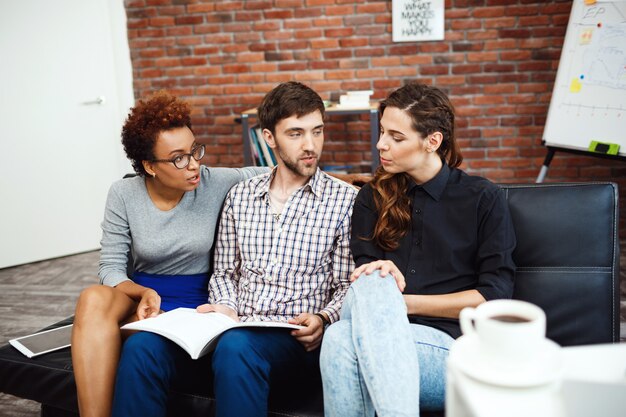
<point>315,184</point>
<point>437,184</point>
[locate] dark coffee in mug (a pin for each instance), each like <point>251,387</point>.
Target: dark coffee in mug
<point>509,318</point>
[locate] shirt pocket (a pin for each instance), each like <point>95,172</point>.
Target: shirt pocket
<point>312,246</point>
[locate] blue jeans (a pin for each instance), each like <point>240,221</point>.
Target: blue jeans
<point>245,363</point>
<point>374,360</point>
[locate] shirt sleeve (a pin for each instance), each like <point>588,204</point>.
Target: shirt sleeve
<point>342,266</point>
<point>496,242</point>
<point>364,218</point>
<point>225,279</point>
<point>115,242</point>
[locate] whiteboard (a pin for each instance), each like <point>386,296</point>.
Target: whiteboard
<point>589,98</point>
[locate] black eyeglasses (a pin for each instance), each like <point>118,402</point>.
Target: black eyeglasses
<point>181,161</point>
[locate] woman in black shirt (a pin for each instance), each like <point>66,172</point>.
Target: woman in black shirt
<point>440,236</point>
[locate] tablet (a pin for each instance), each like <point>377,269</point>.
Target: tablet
<point>43,342</point>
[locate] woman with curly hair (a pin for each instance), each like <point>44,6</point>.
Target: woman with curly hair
<point>428,240</point>
<point>163,220</point>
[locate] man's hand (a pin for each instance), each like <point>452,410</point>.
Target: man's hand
<point>218,308</point>
<point>385,268</point>
<point>149,305</point>
<point>311,335</point>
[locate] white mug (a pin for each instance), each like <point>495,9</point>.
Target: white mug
<point>508,331</point>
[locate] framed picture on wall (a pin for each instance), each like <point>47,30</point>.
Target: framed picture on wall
<point>417,20</point>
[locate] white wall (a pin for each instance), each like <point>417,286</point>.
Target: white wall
<point>59,155</point>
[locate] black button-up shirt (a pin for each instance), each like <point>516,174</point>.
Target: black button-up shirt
<point>461,238</point>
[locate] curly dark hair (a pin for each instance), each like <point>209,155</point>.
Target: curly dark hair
<point>161,111</point>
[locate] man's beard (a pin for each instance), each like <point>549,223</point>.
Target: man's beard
<point>297,166</point>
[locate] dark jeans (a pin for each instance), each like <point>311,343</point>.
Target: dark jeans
<point>243,367</point>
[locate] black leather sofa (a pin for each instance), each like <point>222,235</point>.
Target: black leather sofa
<point>567,260</point>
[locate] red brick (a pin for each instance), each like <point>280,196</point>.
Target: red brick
<point>481,12</point>
<point>450,79</point>
<point>292,66</point>
<point>483,34</point>
<point>482,56</point>
<point>385,62</point>
<point>338,33</point>
<point>189,20</point>
<point>353,42</point>
<point>369,52</point>
<point>161,21</point>
<point>339,10</point>
<point>307,34</point>
<point>193,61</point>
<point>257,5</point>
<point>328,21</point>
<point>402,72</point>
<point>504,22</point>
<point>200,8</point>
<point>248,16</point>
<point>434,69</point>
<point>278,14</point>
<point>307,55</point>
<point>467,69</point>
<point>167,62</point>
<point>501,44</point>
<point>373,8</point>
<point>500,89</point>
<point>465,24</point>
<point>308,12</point>
<point>337,53</point>
<point>324,43</point>
<point>319,2</point>
<point>297,24</point>
<point>250,57</point>
<point>417,59</point>
<point>403,50</point>
<point>292,45</point>
<point>266,25</point>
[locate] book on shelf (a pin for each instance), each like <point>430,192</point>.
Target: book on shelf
<point>264,156</point>
<point>268,154</point>
<point>197,333</point>
<point>257,154</point>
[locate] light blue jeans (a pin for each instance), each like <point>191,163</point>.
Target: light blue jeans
<point>374,360</point>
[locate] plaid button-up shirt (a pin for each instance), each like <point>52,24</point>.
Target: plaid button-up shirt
<point>268,269</point>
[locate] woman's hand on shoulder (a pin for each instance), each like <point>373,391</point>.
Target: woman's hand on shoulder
<point>385,268</point>
<point>149,305</point>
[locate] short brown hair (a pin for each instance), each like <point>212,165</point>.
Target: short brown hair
<point>159,112</point>
<point>285,100</point>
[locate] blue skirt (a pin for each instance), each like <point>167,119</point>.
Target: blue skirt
<point>176,290</point>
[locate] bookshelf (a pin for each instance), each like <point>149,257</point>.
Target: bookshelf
<point>331,110</point>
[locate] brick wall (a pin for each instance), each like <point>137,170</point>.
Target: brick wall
<point>498,63</point>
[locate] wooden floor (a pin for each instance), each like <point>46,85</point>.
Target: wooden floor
<point>36,295</point>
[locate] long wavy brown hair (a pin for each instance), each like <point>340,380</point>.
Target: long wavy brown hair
<point>430,111</point>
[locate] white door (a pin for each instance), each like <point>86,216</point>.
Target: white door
<point>64,91</point>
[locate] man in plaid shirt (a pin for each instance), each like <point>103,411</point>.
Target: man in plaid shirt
<point>282,254</point>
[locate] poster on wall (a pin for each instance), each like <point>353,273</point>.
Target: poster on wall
<point>417,20</point>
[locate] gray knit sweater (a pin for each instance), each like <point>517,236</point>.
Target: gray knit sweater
<point>174,242</point>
